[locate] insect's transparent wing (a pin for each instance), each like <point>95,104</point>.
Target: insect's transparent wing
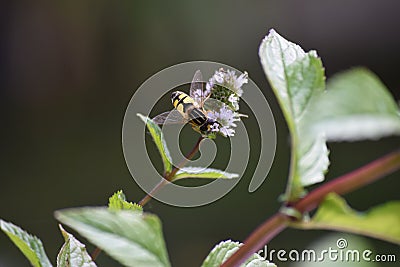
<point>170,117</point>
<point>212,104</point>
<point>196,88</point>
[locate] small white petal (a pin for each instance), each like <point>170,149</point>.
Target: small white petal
<point>219,77</point>
<point>233,99</point>
<point>227,131</point>
<point>215,127</point>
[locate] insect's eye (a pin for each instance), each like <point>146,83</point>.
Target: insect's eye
<point>174,94</point>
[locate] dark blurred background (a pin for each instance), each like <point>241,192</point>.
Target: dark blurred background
<point>69,68</point>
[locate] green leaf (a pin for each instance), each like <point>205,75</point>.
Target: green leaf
<point>356,106</point>
<point>30,246</point>
<point>221,252</point>
<point>118,202</point>
<point>158,138</point>
<point>198,172</point>
<point>132,238</point>
<point>379,222</point>
<point>297,78</point>
<point>73,253</point>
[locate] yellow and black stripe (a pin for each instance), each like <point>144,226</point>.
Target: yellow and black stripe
<point>185,105</point>
<point>181,101</point>
<point>197,117</point>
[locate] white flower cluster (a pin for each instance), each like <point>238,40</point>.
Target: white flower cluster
<point>226,88</point>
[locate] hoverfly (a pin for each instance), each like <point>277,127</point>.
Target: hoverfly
<point>189,108</point>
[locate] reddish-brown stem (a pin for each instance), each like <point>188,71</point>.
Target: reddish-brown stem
<point>96,252</point>
<point>341,185</point>
<point>351,181</point>
<point>170,175</point>
<point>148,196</point>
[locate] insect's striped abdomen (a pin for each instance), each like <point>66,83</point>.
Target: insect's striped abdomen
<point>197,117</point>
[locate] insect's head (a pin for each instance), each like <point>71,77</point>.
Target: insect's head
<point>175,94</point>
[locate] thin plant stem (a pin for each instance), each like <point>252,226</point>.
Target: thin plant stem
<point>96,252</point>
<point>363,176</point>
<point>148,196</point>
<point>167,177</point>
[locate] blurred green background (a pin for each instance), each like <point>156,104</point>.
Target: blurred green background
<point>69,69</point>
